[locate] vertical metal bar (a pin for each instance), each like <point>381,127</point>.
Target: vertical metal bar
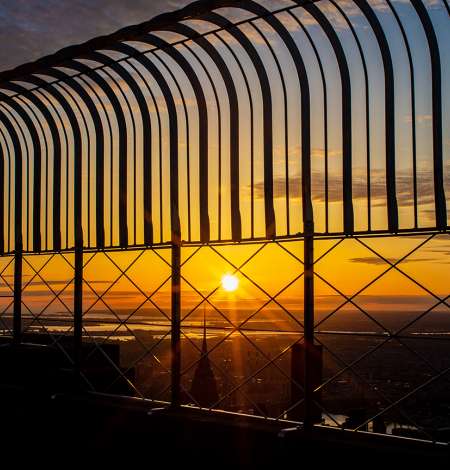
<point>413,108</point>
<point>176,325</point>
<point>266,93</point>
<point>346,96</point>
<point>2,199</point>
<point>17,312</point>
<point>5,216</point>
<point>367,110</point>
<point>389,112</point>
<point>173,145</point>
<point>219,151</point>
<point>36,146</point>
<point>147,156</point>
<point>18,248</point>
<point>99,151</point>
<point>44,104</point>
<point>78,304</point>
<point>77,143</point>
<point>78,236</point>
<point>203,137</point>
<point>252,125</point>
<point>308,306</point>
<point>236,225</point>
<point>127,77</point>
<point>325,121</point>
<point>436,83</point>
<point>122,136</point>
<point>285,118</point>
<point>305,111</point>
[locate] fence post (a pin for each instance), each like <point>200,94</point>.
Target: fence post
<point>176,325</point>
<point>78,305</point>
<point>17,312</point>
<point>308,306</point>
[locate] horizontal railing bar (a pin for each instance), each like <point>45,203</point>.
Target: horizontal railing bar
<point>249,241</point>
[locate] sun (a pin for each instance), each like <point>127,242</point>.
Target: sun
<point>230,282</point>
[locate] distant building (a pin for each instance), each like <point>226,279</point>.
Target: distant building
<point>204,386</point>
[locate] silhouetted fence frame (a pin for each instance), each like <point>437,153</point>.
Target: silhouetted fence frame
<point>57,105</point>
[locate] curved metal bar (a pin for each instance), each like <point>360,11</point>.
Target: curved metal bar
<point>99,154</point>
<point>145,115</point>
<point>6,149</point>
<point>219,129</point>
<point>122,139</point>
<point>252,137</point>
<point>46,145</point>
<point>23,111</point>
<point>173,140</point>
<point>346,112</point>
<point>10,128</point>
<point>305,110</point>
<point>236,228</point>
<point>14,121</point>
<point>147,176</point>
<point>18,237</point>
<point>186,120</point>
<point>56,158</point>
<point>37,154</point>
<point>285,116</point>
<point>2,196</point>
<point>130,33</point>
<point>67,89</point>
<point>413,107</point>
<point>305,121</point>
<point>146,132</point>
<point>57,95</point>
<point>325,109</point>
<point>73,86</point>
<point>446,5</point>
<point>203,125</point>
<point>436,83</point>
<point>389,112</point>
<point>99,167</point>
<point>367,106</point>
<point>266,94</point>
<point>5,222</point>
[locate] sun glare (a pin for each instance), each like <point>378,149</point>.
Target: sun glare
<point>229,282</point>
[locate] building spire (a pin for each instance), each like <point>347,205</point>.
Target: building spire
<point>204,386</point>
<point>204,344</point>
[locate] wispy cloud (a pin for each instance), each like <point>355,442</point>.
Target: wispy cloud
<point>378,261</point>
<point>33,28</point>
<point>420,118</point>
<point>404,188</point>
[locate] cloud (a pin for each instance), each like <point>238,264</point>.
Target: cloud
<point>404,186</point>
<point>34,28</point>
<point>420,118</point>
<point>374,260</point>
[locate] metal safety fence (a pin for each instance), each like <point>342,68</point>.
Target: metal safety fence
<point>300,148</point>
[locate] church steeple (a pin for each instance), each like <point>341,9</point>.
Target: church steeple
<point>204,387</point>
